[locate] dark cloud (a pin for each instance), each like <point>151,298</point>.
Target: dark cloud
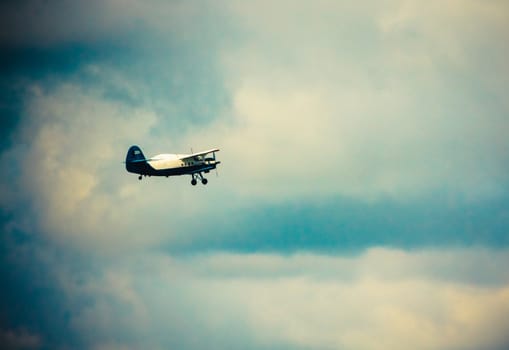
<point>350,226</point>
<point>35,23</point>
<point>33,312</point>
<point>51,40</point>
<point>12,340</point>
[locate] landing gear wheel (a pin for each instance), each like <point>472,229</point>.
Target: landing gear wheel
<point>204,181</point>
<point>194,182</point>
<point>139,177</point>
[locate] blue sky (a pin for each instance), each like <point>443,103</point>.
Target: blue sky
<point>362,200</point>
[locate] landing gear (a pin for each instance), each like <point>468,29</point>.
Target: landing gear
<point>198,176</point>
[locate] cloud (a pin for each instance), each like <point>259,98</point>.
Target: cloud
<point>383,298</point>
<point>403,314</point>
<point>47,24</point>
<point>67,174</point>
<point>480,266</point>
<point>12,340</point>
<point>67,182</point>
<point>67,144</point>
<point>366,101</point>
<point>321,110</point>
<point>332,119</point>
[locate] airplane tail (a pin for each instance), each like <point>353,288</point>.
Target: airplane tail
<point>134,154</point>
<point>135,161</point>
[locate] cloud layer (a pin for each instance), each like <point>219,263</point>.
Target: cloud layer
<point>387,99</point>
<point>362,196</point>
<point>383,298</point>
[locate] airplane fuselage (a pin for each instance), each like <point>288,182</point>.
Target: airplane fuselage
<point>170,165</point>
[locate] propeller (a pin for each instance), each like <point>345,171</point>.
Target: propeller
<point>212,159</point>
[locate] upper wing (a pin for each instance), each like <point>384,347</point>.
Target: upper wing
<point>189,156</point>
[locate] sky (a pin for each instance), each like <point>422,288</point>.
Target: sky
<point>362,200</point>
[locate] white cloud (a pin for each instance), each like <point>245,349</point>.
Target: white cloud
<point>68,180</point>
<point>381,299</point>
<point>454,265</point>
<point>71,181</point>
<point>366,100</point>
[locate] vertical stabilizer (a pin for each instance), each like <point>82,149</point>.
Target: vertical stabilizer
<point>134,154</point>
<point>135,162</point>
